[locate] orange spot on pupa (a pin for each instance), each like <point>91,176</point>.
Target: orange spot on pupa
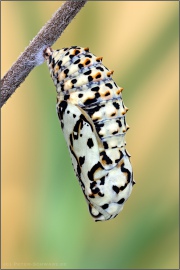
<point>87,61</point>
<point>107,93</point>
<point>99,58</point>
<point>123,112</point>
<point>126,108</point>
<point>56,68</point>
<point>76,52</point>
<point>110,72</point>
<point>119,90</point>
<point>97,75</point>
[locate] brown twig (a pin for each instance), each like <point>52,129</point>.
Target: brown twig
<point>33,54</point>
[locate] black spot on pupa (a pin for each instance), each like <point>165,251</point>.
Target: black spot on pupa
<point>89,55</point>
<point>109,85</point>
<point>90,78</point>
<point>53,63</point>
<point>95,190</point>
<point>105,206</point>
<point>119,123</point>
<point>100,68</point>
<point>66,97</point>
<point>123,187</point>
<point>60,63</point>
<point>97,95</point>
<point>81,160</point>
<point>105,145</point>
<point>93,184</point>
<point>80,66</point>
<point>102,180</point>
<point>66,71</point>
<point>90,143</point>
<point>100,194</point>
<point>80,95</point>
<point>116,105</point>
<point>115,188</point>
<point>77,61</point>
<point>121,201</point>
<point>62,87</point>
<point>95,89</point>
<point>62,124</point>
<point>73,81</point>
<point>87,72</point>
<point>88,102</point>
<point>61,109</point>
<point>50,59</point>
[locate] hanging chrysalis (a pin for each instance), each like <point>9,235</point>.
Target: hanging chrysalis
<point>92,116</point>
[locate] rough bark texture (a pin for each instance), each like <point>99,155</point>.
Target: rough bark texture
<point>33,54</point>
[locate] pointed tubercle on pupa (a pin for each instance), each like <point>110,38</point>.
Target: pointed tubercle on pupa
<point>100,58</point>
<point>127,127</point>
<point>126,108</point>
<point>109,73</point>
<point>118,91</point>
<point>133,182</point>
